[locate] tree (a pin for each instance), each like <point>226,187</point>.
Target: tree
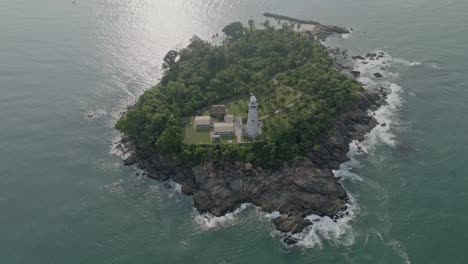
<point>234,31</point>
<point>170,140</point>
<point>170,59</point>
<point>261,61</point>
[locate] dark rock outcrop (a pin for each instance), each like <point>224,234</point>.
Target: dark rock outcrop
<point>296,190</point>
<point>359,57</point>
<point>356,74</point>
<point>132,159</point>
<point>378,75</point>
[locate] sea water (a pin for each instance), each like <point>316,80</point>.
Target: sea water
<point>69,68</point>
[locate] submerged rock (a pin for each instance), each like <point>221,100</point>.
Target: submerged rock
<point>290,240</point>
<point>378,75</point>
<point>356,74</point>
<point>293,224</point>
<point>371,55</point>
<point>359,57</point>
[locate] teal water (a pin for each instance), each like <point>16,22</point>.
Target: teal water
<point>65,198</point>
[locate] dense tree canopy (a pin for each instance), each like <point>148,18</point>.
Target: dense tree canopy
<point>269,63</point>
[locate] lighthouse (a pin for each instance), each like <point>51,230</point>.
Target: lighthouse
<point>253,126</point>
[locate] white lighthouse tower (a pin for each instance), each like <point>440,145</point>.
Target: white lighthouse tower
<point>253,126</point>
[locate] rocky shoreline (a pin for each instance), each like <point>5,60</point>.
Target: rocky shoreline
<point>294,190</point>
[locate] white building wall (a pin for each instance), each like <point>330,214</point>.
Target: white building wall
<point>253,126</point>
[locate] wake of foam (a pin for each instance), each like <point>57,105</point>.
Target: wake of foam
<point>400,250</point>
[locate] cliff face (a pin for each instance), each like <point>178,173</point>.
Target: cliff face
<point>304,188</point>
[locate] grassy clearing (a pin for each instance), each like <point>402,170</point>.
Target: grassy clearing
<point>238,108</point>
<point>196,136</point>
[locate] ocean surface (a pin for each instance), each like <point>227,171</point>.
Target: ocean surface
<point>66,198</point>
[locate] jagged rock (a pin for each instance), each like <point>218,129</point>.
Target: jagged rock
<point>359,57</point>
<point>293,224</point>
<point>356,74</point>
<point>296,190</point>
<point>125,140</point>
<point>378,75</point>
<point>130,160</point>
<point>371,55</point>
<point>120,147</point>
<point>290,240</point>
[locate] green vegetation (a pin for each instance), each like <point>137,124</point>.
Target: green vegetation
<point>299,91</point>
<point>238,107</point>
<point>196,136</point>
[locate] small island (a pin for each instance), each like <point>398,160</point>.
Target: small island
<point>263,118</point>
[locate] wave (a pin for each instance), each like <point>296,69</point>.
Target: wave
<point>208,221</point>
<point>340,232</point>
<point>387,115</point>
<point>407,62</point>
<point>428,64</point>
<point>347,36</point>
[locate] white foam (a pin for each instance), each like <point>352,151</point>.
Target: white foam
<point>122,152</point>
<point>347,36</point>
<point>432,65</point>
<point>208,221</point>
<point>400,250</point>
<point>340,232</point>
<point>115,186</point>
<point>407,62</point>
<point>387,115</point>
<point>271,216</point>
<point>337,233</point>
<point>96,114</point>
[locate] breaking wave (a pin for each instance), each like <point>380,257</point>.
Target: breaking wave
<point>208,221</point>
<point>427,64</point>
<point>347,36</point>
<point>339,232</point>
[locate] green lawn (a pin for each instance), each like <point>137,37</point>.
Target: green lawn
<point>196,136</point>
<point>238,108</point>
